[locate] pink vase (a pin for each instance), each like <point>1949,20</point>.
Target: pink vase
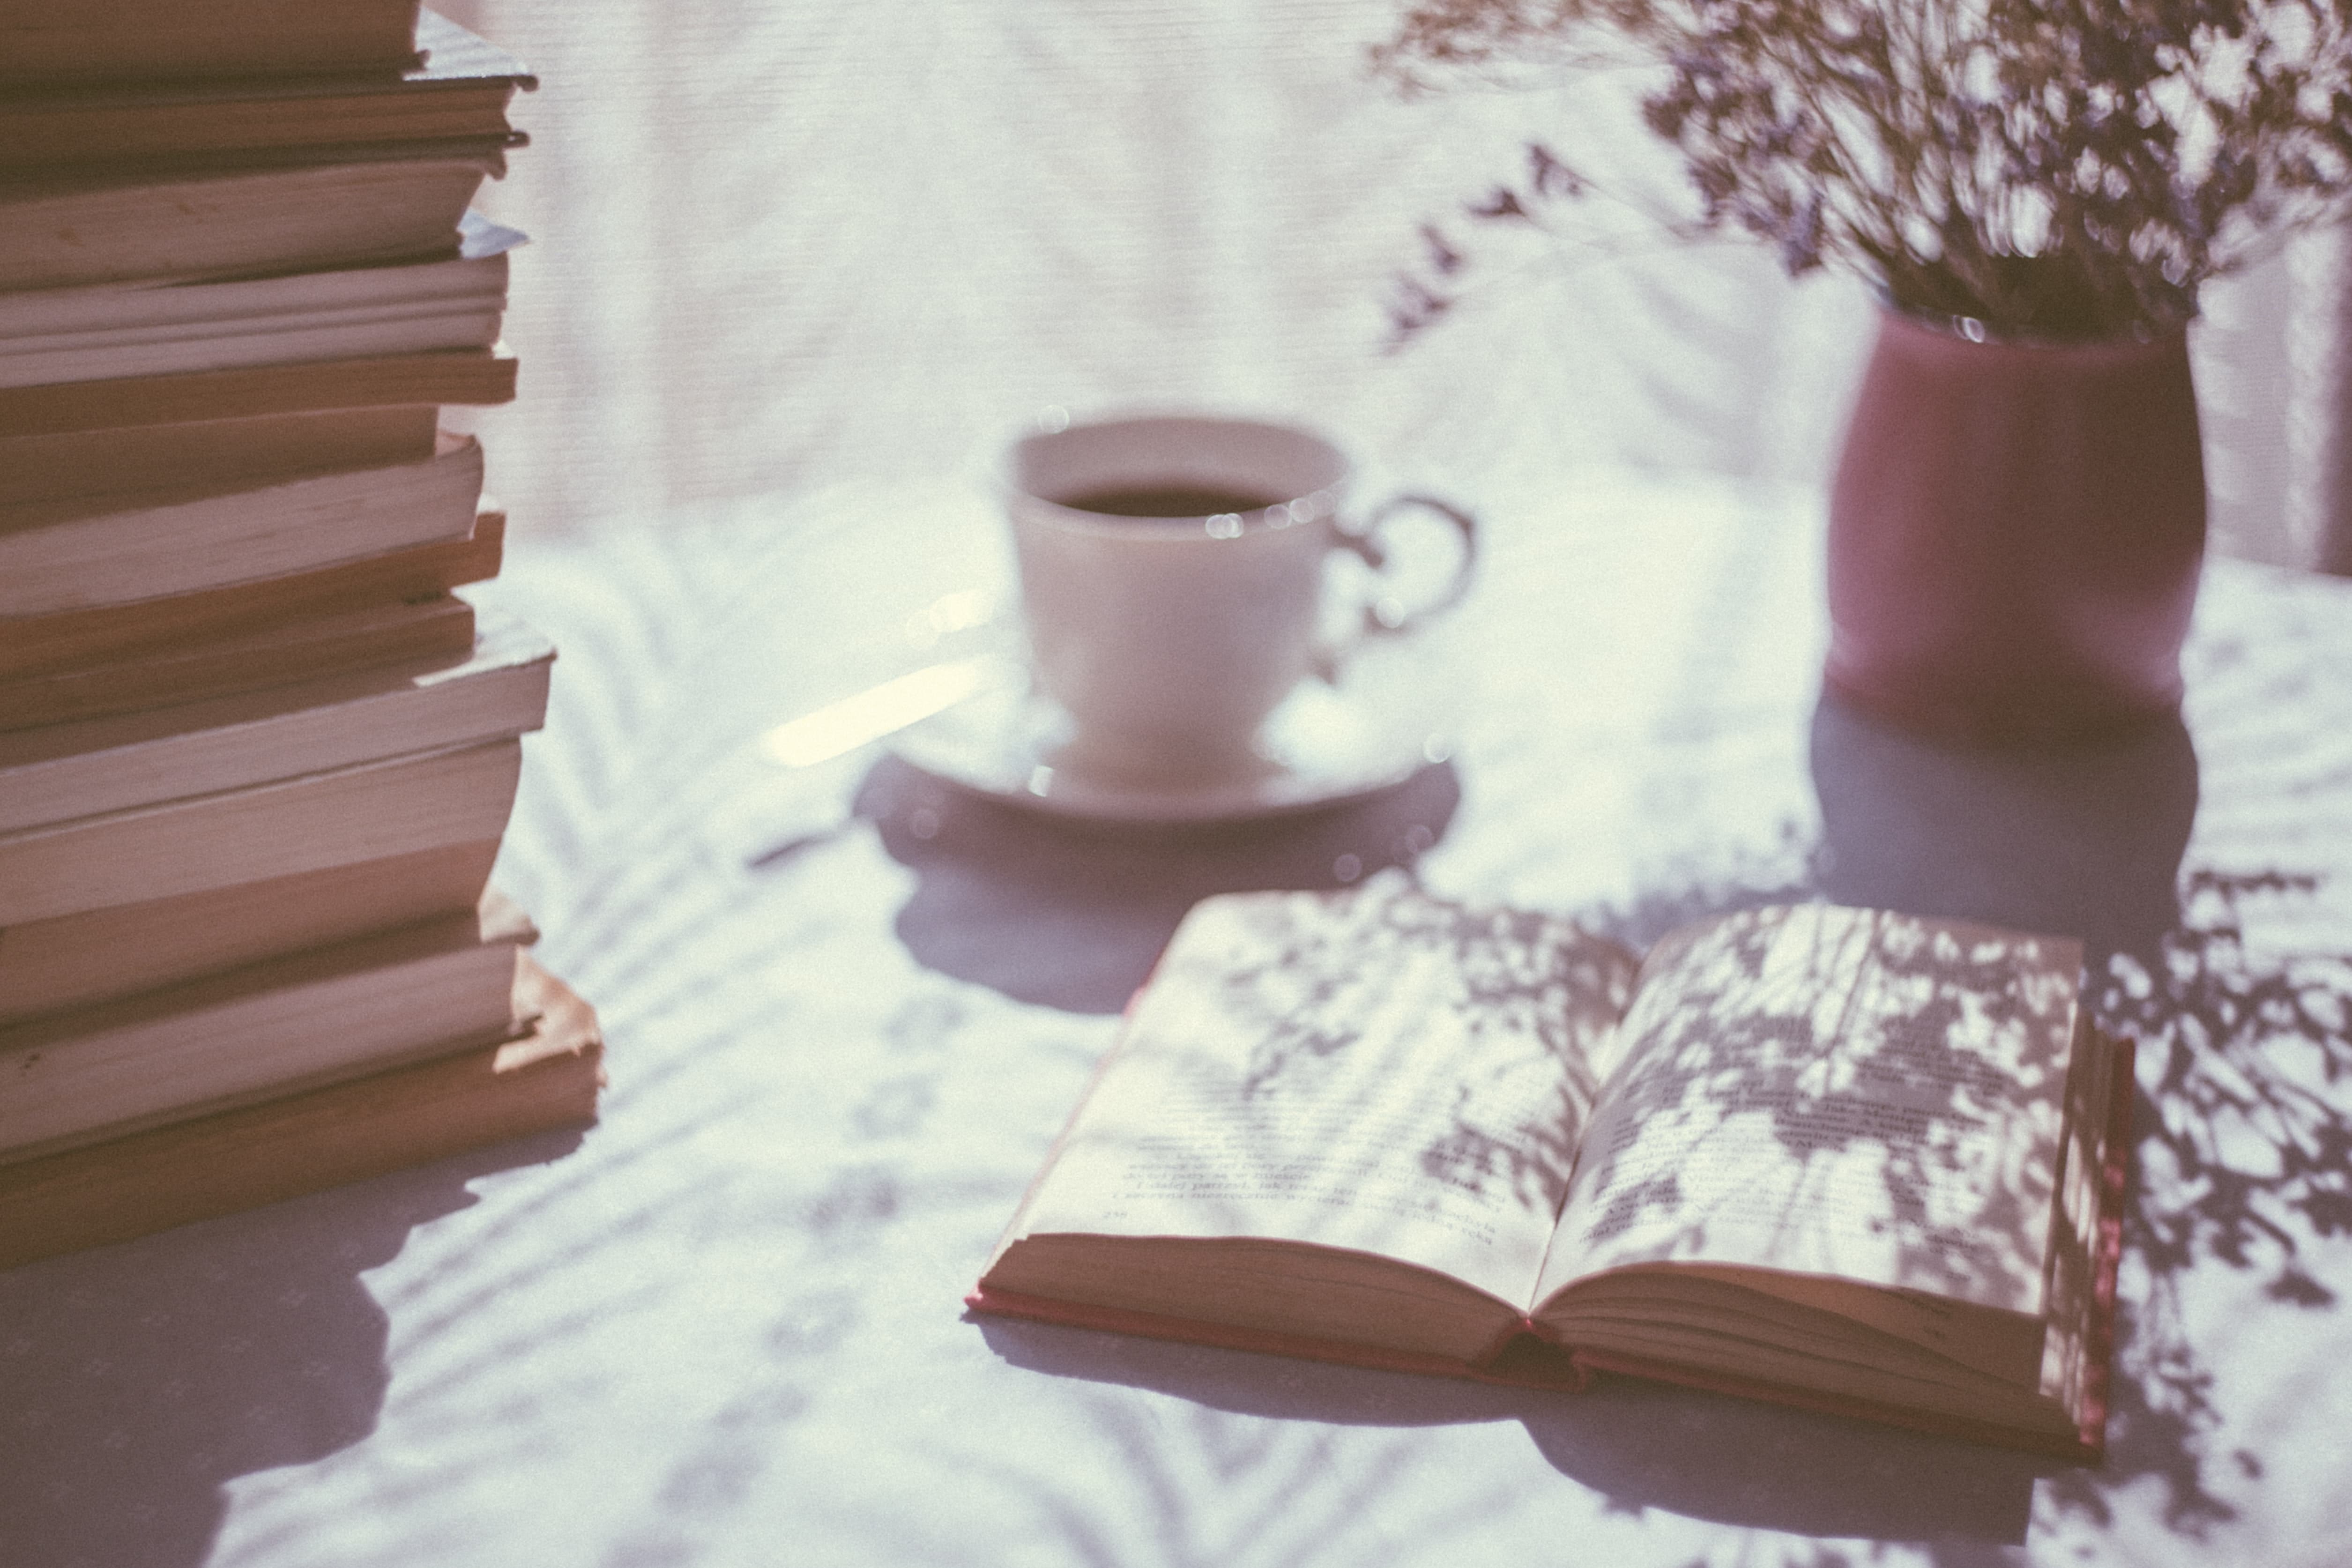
<point>2016,530</point>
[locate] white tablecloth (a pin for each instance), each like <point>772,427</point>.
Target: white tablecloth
<point>724,1327</point>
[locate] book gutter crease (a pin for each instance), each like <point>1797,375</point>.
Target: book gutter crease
<point>258,751</point>
<point>1847,1160</point>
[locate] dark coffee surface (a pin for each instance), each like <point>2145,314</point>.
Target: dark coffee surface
<point>1166,501</point>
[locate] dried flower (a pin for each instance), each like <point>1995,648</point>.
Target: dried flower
<point>2053,168</point>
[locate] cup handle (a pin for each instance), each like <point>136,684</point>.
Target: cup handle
<point>1385,616</point>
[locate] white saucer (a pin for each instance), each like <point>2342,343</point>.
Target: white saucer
<point>1325,744</point>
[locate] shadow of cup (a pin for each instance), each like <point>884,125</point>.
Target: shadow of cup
<point>1072,914</point>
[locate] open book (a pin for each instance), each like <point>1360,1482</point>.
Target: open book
<point>1838,1158</point>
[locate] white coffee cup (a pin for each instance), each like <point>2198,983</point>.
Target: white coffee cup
<point>1173,583</point>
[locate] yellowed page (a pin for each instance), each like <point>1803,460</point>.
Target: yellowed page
<point>1378,1070</point>
<point>1847,1093</point>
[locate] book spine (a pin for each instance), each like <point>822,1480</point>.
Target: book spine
<point>122,1077</point>
<point>367,812</point>
<point>32,645</point>
<point>394,634</point>
<point>46,135</point>
<point>118,556</point>
<point>302,1143</point>
<point>468,376</point>
<point>417,715</point>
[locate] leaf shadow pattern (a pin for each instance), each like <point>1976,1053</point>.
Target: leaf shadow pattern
<point>2241,1056</point>
<point>1072,914</point>
<point>1510,976</point>
<point>1826,1086</point>
<point>2242,1155</point>
<point>1683,1451</point>
<point>2245,1158</point>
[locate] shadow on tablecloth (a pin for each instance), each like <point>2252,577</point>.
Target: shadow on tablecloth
<point>2086,841</point>
<point>1703,1455</point>
<point>136,1380</point>
<point>1073,915</point>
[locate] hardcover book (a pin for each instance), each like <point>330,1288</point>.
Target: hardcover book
<point>476,376</point>
<point>1843,1159</point>
<point>44,43</point>
<point>228,453</point>
<point>369,811</point>
<point>59,231</point>
<point>543,1078</point>
<point>59,772</point>
<point>460,92</point>
<point>243,1035</point>
<point>188,624</point>
<point>58,555</point>
<point>124,330</point>
<point>95,954</point>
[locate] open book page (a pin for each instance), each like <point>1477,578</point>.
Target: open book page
<point>1847,1093</point>
<point>1378,1070</point>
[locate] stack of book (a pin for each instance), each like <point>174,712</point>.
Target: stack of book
<point>255,756</point>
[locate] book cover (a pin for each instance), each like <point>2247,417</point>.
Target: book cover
<point>310,724</point>
<point>365,811</point>
<point>59,556</point>
<point>114,331</point>
<point>96,955</point>
<point>61,232</point>
<point>460,89</point>
<point>237,1036</point>
<point>189,623</point>
<point>438,628</point>
<point>222,453</point>
<point>43,44</point>
<point>479,376</point>
<point>545,1077</point>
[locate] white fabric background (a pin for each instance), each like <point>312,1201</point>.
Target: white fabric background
<point>788,244</point>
